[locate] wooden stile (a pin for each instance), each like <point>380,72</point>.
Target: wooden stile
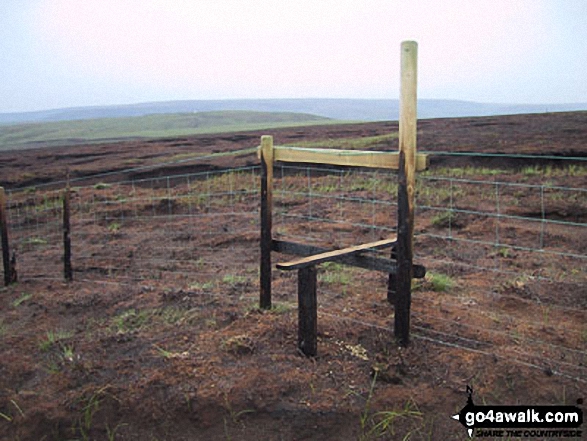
<point>400,266</point>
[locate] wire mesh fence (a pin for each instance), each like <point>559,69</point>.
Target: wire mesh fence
<point>487,223</point>
<point>506,259</point>
<point>36,229</point>
<point>137,229</point>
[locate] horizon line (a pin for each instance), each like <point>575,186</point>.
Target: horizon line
<point>139,103</point>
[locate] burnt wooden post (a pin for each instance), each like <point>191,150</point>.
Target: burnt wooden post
<point>5,243</point>
<point>67,270</point>
<point>307,311</point>
<point>266,154</point>
<point>392,281</point>
<point>406,190</point>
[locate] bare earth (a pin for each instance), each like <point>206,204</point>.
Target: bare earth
<point>158,337</point>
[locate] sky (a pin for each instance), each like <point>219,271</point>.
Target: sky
<point>69,53</point>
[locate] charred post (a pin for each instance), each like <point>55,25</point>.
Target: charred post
<point>307,311</point>
<point>5,243</point>
<point>266,153</point>
<point>67,269</point>
<point>392,281</point>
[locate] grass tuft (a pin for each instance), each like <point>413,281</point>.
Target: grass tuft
<point>53,337</point>
<point>23,298</point>
<point>238,345</point>
<point>101,186</point>
<point>440,282</point>
<point>131,320</point>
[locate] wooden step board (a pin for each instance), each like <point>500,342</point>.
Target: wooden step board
<point>330,256</point>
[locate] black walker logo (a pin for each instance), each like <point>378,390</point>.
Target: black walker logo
<point>520,421</point>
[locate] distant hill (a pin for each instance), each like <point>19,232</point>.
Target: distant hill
<point>42,134</point>
<point>343,109</point>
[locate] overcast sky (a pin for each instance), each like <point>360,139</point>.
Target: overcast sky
<point>64,53</point>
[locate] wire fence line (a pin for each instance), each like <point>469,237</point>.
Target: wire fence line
<point>561,158</point>
<point>547,222</point>
<point>137,226</point>
<point>200,230</point>
<point>578,371</point>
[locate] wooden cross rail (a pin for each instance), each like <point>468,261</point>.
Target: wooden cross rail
<point>335,255</point>
<point>358,259</point>
<point>348,158</point>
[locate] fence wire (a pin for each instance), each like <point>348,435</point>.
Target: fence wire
<point>512,255</point>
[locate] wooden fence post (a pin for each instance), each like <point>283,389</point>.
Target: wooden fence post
<point>5,243</point>
<point>266,154</point>
<point>406,190</point>
<point>392,281</point>
<point>307,311</point>
<point>67,270</point>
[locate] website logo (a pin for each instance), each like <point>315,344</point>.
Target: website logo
<point>520,421</point>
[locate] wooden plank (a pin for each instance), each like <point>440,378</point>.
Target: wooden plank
<point>266,221</point>
<point>335,255</point>
<point>350,158</point>
<point>307,311</point>
<point>357,260</point>
<point>406,190</point>
<point>5,241</point>
<point>67,269</point>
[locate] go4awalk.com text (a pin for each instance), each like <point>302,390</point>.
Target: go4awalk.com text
<point>527,433</point>
<point>521,421</point>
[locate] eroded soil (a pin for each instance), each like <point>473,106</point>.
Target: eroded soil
<point>158,337</point>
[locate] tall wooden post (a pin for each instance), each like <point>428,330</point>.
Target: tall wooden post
<point>406,190</point>
<point>5,244</point>
<point>67,270</point>
<point>266,220</point>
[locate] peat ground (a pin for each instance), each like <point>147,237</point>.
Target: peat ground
<point>158,336</point>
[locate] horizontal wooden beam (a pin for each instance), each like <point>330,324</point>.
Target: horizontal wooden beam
<point>358,260</point>
<point>349,158</point>
<point>330,256</point>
